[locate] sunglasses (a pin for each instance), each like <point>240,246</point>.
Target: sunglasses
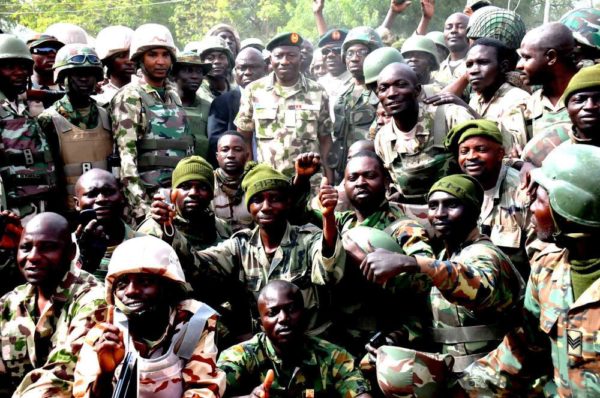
<point>81,59</point>
<point>333,50</point>
<point>361,53</point>
<point>44,50</point>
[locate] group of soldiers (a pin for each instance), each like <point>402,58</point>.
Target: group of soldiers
<point>361,217</point>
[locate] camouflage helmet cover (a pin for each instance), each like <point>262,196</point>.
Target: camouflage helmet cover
<point>67,33</point>
<point>64,61</point>
<point>421,44</point>
<point>149,36</point>
<point>497,23</point>
<point>11,47</point>
<point>193,58</point>
<point>112,40</point>
<point>585,24</point>
<point>362,35</point>
<point>379,59</point>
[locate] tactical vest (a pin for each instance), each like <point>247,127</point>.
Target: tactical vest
<point>198,123</point>
<point>82,150</point>
<point>166,140</point>
<point>26,164</point>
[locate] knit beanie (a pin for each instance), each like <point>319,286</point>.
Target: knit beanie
<point>586,78</point>
<point>193,168</point>
<point>464,187</point>
<point>262,177</point>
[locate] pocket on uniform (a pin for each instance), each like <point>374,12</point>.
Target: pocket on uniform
<point>265,120</point>
<point>506,236</point>
<point>13,348</point>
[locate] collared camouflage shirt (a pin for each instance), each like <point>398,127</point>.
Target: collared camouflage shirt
<point>554,328</point>
<point>541,115</point>
<point>40,351</point>
<point>326,370</point>
<point>287,121</point>
<point>450,71</point>
<point>63,106</point>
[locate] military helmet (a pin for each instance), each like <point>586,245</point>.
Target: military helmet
<point>497,23</point>
<point>585,24</point>
<point>570,175</point>
<point>149,36</point>
<point>215,43</point>
<point>362,35</point>
<point>67,33</point>
<point>252,42</point>
<point>379,59</point>
<point>437,37</point>
<point>421,44</point>
<point>148,255</point>
<point>112,40</point>
<point>402,372</point>
<point>11,47</point>
<point>76,56</point>
<point>368,238</point>
<point>192,46</point>
<point>193,58</point>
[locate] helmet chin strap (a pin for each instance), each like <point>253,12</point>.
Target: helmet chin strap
<point>559,236</point>
<point>137,315</point>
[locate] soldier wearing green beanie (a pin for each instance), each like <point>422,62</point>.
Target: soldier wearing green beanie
<point>261,178</point>
<point>475,291</point>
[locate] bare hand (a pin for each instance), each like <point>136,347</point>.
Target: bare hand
<point>318,6</point>
<point>307,164</point>
<point>110,348</point>
<point>328,197</point>
<point>427,8</point>
<point>382,265</point>
<point>399,8</point>
<point>161,211</point>
<point>13,229</point>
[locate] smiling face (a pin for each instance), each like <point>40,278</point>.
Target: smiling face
<point>269,208</point>
<point>14,75</point>
<point>98,189</point>
<point>285,61</point>
<point>139,292</point>
<point>397,89</point>
<point>481,158</point>
<point>449,216</point>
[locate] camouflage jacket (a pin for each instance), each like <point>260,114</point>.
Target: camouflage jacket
<point>132,122</point>
<point>543,143</point>
<point>507,108</point>
<point>541,115</point>
<point>287,121</point>
<point>40,352</point>
<point>476,285</point>
<point>335,86</point>
<point>326,370</point>
<point>200,376</point>
<point>64,108</point>
<point>298,259</point>
<point>450,71</point>
<point>417,158</point>
<point>555,328</point>
<point>505,217</point>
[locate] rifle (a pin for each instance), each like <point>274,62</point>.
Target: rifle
<point>128,378</point>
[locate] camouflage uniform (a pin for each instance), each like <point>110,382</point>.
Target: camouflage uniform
<point>550,314</point>
<point>335,86</point>
<point>53,338</point>
<point>449,71</point>
<point>541,115</point>
<point>229,204</point>
<point>27,169</point>
<point>140,119</point>
<point>505,217</point>
<point>108,92</point>
<point>298,260</point>
<point>326,370</point>
<point>506,108</point>
<point>287,121</point>
<point>536,150</point>
<point>197,114</point>
<point>206,94</point>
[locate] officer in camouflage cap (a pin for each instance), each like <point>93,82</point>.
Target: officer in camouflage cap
<point>585,24</point>
<point>288,113</point>
<point>189,72</point>
<point>560,320</point>
<point>149,124</point>
<point>78,131</point>
<point>26,164</point>
<point>354,112</point>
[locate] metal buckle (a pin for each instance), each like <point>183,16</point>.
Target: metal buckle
<point>28,157</point>
<point>85,167</point>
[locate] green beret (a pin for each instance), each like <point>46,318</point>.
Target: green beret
<point>193,168</point>
<point>472,128</point>
<point>463,187</point>
<point>285,39</point>
<point>586,78</point>
<point>262,177</point>
<point>333,36</point>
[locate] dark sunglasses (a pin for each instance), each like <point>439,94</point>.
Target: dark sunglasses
<point>81,59</point>
<point>44,50</point>
<point>334,50</point>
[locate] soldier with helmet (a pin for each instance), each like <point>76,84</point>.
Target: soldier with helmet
<point>78,130</point>
<point>585,24</point>
<point>214,50</point>
<point>189,72</point>
<point>561,315</point>
<point>421,55</point>
<point>376,61</point>
<point>171,337</point>
<point>440,43</point>
<point>112,46</point>
<point>26,164</point>
<point>354,112</point>
<point>149,124</point>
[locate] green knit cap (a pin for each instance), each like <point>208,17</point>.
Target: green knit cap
<point>193,168</point>
<point>464,187</point>
<point>262,177</point>
<point>586,78</point>
<point>472,128</point>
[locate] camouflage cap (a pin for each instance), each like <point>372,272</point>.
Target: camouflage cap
<point>262,177</point>
<point>472,128</point>
<point>192,58</point>
<point>285,39</point>
<point>585,25</point>
<point>463,187</point>
<point>586,78</point>
<point>333,36</point>
<point>42,39</point>
<point>497,23</point>
<point>402,372</point>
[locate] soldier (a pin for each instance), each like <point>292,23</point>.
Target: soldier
<point>152,320</point>
<point>43,50</point>
<point>112,46</point>
<point>337,79</point>
<point>302,365</point>
<point>585,25</point>
<point>288,113</point>
<point>505,214</point>
<point>149,123</point>
<point>229,34</point>
<point>229,201</point>
<point>317,66</point>
<point>411,145</point>
<point>476,289</point>
<point>421,55</point>
<point>440,43</point>
<point>560,320</point>
<point>455,35</point>
<point>215,51</point>
<point>98,192</point>
<point>43,323</point>
<point>355,110</point>
<point>78,131</point>
<point>27,168</point>
<point>306,51</point>
<point>188,73</point>
<point>301,254</point>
